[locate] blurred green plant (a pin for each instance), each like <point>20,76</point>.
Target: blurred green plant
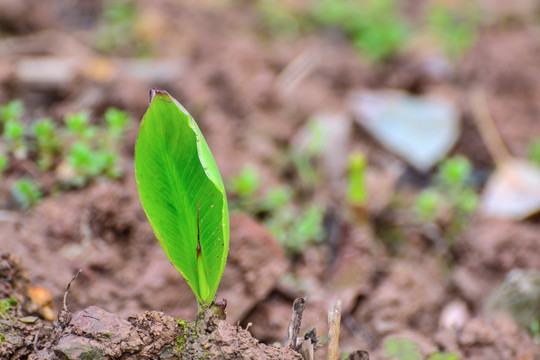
<point>375,27</point>
<point>244,186</point>
<point>78,152</point>
<point>14,132</point>
<point>452,199</point>
<point>11,111</point>
<point>5,307</point>
<point>404,349</point>
<point>48,143</point>
<point>117,121</point>
<point>534,329</point>
<point>278,18</point>
<point>26,193</point>
<point>534,151</point>
<point>294,227</point>
<point>357,194</point>
<point>454,25</point>
<point>401,349</point>
<point>94,150</point>
<point>117,25</point>
<point>78,125</point>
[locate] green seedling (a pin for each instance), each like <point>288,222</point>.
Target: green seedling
<point>534,151</point>
<point>454,26</point>
<point>278,18</point>
<point>452,197</point>
<point>357,194</point>
<point>296,228</point>
<point>404,349</point>
<point>14,133</point>
<point>117,25</point>
<point>78,125</point>
<point>182,194</point>
<point>304,158</point>
<point>6,306</point>
<point>276,198</point>
<point>427,205</point>
<point>375,27</point>
<point>26,193</point>
<point>48,143</point>
<point>117,121</point>
<point>117,29</point>
<point>401,349</point>
<point>94,149</point>
<point>246,183</point>
<point>12,111</point>
<point>443,356</point>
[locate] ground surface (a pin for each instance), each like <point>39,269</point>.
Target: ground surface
<point>227,72</point>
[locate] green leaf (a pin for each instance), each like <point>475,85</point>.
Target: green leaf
<point>182,193</point>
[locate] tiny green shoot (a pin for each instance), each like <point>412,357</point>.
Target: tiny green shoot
<point>182,194</point>
<point>6,305</point>
<point>11,111</point>
<point>452,197</point>
<point>117,121</point>
<point>78,124</point>
<point>375,27</point>
<point>14,132</point>
<point>48,143</point>
<point>357,194</point>
<point>26,193</point>
<point>454,25</point>
<point>246,183</point>
<point>402,349</point>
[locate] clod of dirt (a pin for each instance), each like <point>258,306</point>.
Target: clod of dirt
<point>487,339</point>
<point>97,334</point>
<point>490,251</point>
<point>256,264</point>
<point>19,333</point>
<point>406,296</point>
<point>13,282</point>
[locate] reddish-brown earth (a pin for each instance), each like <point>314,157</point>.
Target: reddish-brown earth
<point>227,73</point>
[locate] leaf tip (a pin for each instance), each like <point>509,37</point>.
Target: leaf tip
<point>156,91</point>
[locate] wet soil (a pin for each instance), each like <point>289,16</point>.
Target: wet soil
<point>228,73</point>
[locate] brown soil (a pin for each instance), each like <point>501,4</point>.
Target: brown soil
<point>227,71</point>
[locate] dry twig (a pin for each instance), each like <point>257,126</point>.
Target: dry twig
<point>294,325</point>
<point>334,320</point>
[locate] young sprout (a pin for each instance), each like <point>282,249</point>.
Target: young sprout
<point>78,124</point>
<point>276,198</point>
<point>452,196</point>
<point>374,27</point>
<point>26,193</point>
<point>427,205</point>
<point>85,162</point>
<point>454,172</point>
<point>48,144</point>
<point>182,194</point>
<point>117,121</point>
<point>12,111</point>
<point>357,194</point>
<point>14,137</point>
<point>246,183</point>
